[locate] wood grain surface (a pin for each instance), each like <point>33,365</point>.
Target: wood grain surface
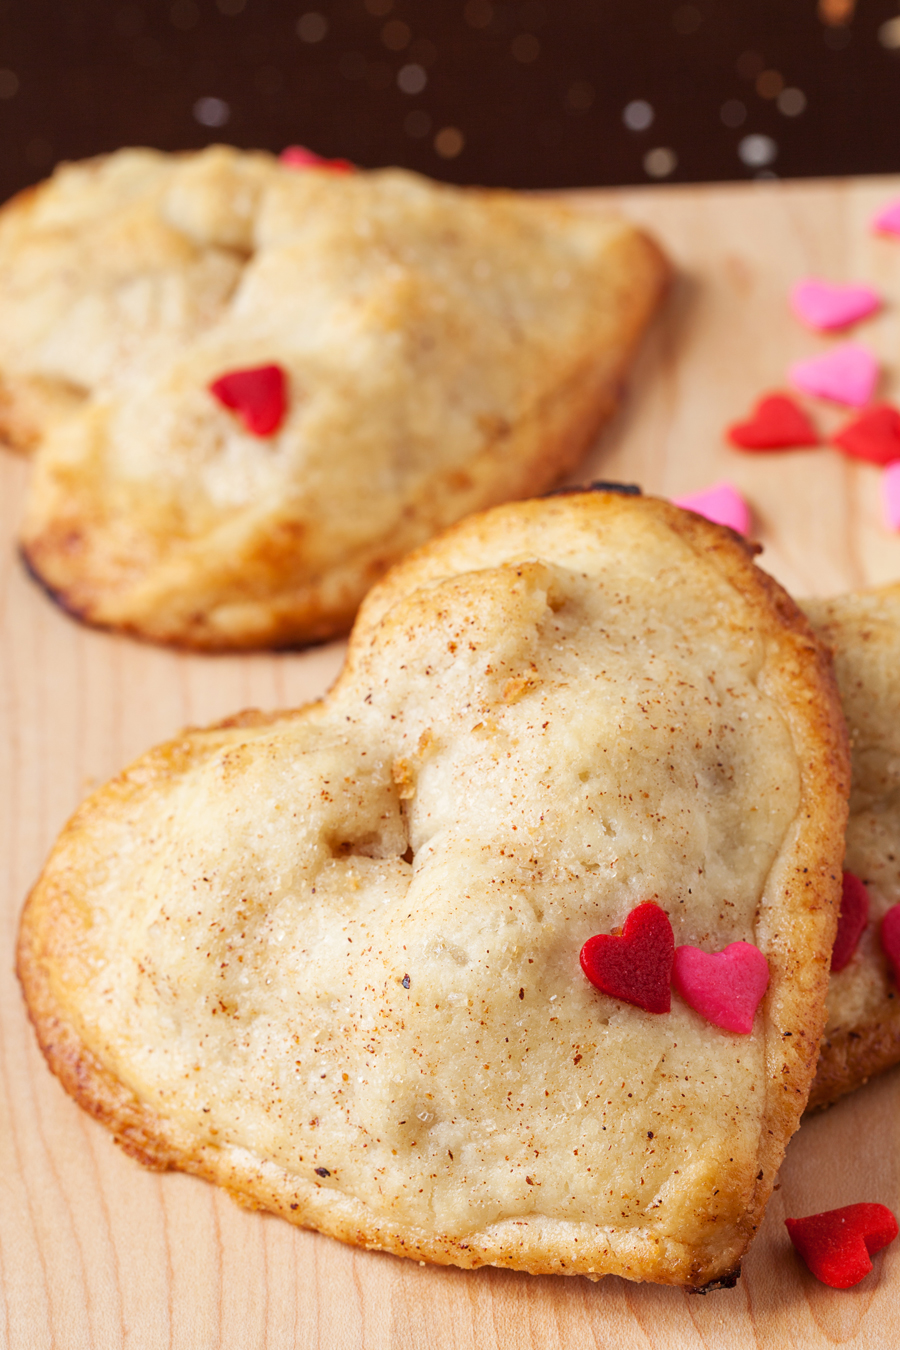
<point>94,1251</point>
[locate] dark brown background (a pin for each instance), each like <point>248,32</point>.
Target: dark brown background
<point>532,92</point>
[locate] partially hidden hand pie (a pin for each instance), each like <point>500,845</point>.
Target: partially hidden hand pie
<point>862,1034</point>
<point>329,958</point>
<point>440,350</point>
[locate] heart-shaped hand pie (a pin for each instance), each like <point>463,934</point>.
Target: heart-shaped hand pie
<point>329,959</point>
<point>777,423</point>
<point>724,987</point>
<point>636,966</point>
<point>838,1245</point>
<point>444,348</point>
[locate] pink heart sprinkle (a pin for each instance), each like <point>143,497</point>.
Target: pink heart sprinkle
<point>847,374</point>
<point>890,495</point>
<point>724,987</point>
<point>887,220</point>
<point>722,504</point>
<point>824,306</point>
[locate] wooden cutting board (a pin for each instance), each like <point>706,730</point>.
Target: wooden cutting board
<point>96,1252</point>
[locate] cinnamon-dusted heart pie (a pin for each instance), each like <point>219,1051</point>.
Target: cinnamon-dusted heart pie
<point>331,959</point>
<point>862,1034</point>
<point>428,350</point>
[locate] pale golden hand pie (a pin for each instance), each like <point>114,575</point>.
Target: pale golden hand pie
<point>444,349</point>
<point>330,958</point>
<point>862,1033</point>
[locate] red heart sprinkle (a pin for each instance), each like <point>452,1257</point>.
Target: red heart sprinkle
<point>837,1245</point>
<point>852,921</point>
<point>873,436</point>
<point>258,396</point>
<point>890,939</point>
<point>636,967</point>
<point>777,423</point>
<point>724,987</point>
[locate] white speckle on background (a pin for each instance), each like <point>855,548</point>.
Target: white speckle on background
<point>211,112</point>
<point>411,79</point>
<point>449,142</point>
<point>733,113</point>
<point>659,163</point>
<point>312,26</point>
<point>757,151</point>
<point>791,102</point>
<point>638,115</point>
<point>889,34</point>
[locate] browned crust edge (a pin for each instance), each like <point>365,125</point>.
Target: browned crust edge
<point>850,1057</point>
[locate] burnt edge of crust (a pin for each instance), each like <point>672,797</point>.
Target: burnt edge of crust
<point>727,1281</point>
<point>599,485</point>
<point>184,643</point>
<point>57,596</point>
